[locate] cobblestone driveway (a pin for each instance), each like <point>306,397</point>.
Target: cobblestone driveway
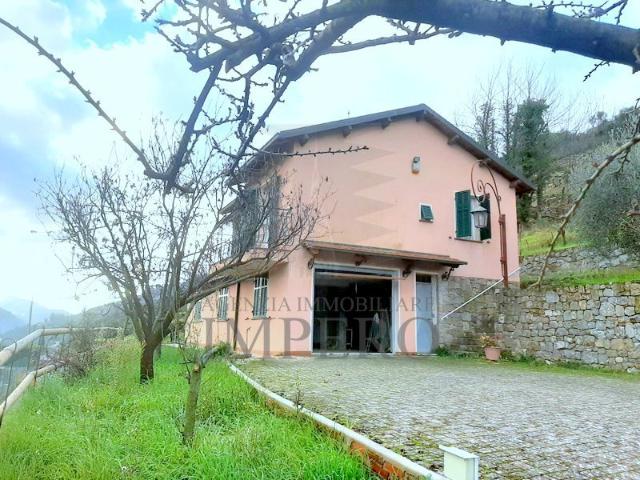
<point>524,424</point>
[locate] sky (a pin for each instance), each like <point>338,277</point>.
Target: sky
<point>45,125</point>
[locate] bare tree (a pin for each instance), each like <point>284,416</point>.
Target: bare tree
<point>493,106</point>
<point>513,113</point>
<point>269,45</point>
<point>161,252</point>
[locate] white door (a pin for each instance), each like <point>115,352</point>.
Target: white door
<point>425,329</point>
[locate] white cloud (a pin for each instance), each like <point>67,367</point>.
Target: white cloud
<point>93,14</point>
<point>46,121</point>
<point>134,82</point>
<point>32,265</point>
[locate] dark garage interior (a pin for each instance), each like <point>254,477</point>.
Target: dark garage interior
<point>351,312</point>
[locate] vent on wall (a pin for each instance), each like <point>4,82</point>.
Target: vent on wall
<point>426,213</point>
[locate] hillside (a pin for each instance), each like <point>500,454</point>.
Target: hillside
<point>16,326</point>
<point>20,307</point>
<point>570,152</point>
<point>9,322</point>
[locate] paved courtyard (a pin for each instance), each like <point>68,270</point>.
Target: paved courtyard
<point>524,424</point>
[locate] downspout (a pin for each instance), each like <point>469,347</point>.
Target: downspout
<point>237,315</point>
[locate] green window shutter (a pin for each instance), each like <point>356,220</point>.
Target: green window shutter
<point>463,214</point>
<point>485,233</point>
<point>426,213</point>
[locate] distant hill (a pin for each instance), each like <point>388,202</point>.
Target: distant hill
<point>20,308</point>
<point>108,315</point>
<point>9,321</point>
<point>14,317</point>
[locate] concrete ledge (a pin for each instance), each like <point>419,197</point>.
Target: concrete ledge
<point>381,460</point>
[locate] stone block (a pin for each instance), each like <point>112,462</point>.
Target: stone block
<point>607,309</point>
<point>589,357</point>
<point>552,297</point>
<point>630,331</point>
<point>618,344</point>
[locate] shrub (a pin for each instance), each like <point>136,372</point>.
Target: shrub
<point>78,353</point>
<point>443,351</point>
<point>487,341</point>
<point>507,355</point>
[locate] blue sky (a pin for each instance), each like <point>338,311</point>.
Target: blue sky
<point>44,124</point>
<point>119,23</point>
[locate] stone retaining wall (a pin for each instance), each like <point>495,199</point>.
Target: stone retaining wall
<point>578,260</point>
<point>460,331</point>
<point>597,325</point>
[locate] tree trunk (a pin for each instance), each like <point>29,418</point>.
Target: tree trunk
<point>192,403</point>
<point>146,362</point>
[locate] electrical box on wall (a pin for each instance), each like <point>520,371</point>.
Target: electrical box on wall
<point>415,165</point>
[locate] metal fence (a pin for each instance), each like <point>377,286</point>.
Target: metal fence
<point>22,361</point>
<point>27,354</point>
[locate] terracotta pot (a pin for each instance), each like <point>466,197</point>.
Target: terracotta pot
<point>492,353</point>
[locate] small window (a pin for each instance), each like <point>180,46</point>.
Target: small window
<point>223,303</point>
<point>426,213</point>
<point>260,296</point>
<point>197,311</point>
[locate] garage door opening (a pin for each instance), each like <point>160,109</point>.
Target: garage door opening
<point>352,311</point>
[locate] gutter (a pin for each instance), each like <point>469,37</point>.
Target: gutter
<point>236,316</point>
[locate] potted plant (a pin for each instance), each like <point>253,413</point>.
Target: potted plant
<point>491,348</point>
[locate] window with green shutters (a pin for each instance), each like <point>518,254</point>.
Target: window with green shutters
<point>463,214</point>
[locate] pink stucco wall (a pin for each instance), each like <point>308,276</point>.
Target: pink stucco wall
<point>375,197</point>
<point>373,200</point>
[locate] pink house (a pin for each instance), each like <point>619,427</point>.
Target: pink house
<point>398,248</point>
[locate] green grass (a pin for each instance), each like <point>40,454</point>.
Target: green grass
<point>107,426</point>
<point>592,277</point>
<point>536,242</point>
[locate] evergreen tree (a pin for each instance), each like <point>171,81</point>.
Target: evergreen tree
<point>531,152</point>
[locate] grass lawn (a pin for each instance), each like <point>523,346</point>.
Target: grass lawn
<point>536,242</point>
<point>107,426</point>
<point>593,277</point>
